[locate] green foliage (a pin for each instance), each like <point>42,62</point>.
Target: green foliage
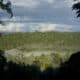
<point>60,45</point>
<point>53,41</point>
<point>57,59</point>
<point>43,61</point>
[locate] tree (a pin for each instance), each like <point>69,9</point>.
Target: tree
<point>76,7</point>
<point>7,7</point>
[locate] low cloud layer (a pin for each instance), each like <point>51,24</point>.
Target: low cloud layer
<point>40,27</point>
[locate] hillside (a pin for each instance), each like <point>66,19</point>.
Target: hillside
<point>62,42</point>
<point>44,49</point>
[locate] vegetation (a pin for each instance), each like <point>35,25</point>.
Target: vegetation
<point>58,43</point>
<point>53,41</point>
<point>12,71</point>
<point>43,61</point>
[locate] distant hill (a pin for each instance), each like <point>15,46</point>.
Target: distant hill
<point>53,41</point>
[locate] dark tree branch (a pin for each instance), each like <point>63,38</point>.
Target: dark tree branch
<point>6,7</point>
<point>76,7</point>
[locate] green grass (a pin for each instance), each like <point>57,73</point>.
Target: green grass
<point>57,41</point>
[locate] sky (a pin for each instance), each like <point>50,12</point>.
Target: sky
<point>40,15</point>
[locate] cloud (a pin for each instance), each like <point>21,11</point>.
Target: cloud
<point>54,11</point>
<point>44,10</point>
<point>25,3</point>
<point>41,27</point>
<point>41,15</point>
<point>11,27</point>
<point>35,3</point>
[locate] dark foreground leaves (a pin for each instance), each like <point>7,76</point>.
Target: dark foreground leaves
<point>68,70</point>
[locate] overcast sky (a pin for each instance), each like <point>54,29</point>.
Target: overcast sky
<point>41,15</point>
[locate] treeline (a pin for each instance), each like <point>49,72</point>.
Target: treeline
<point>43,61</point>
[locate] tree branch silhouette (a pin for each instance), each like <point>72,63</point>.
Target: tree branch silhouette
<point>7,8</point>
<point>76,7</point>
